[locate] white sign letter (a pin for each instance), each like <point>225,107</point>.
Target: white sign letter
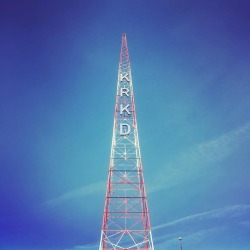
<point>124,129</point>
<point>124,91</point>
<point>124,109</point>
<point>125,76</point>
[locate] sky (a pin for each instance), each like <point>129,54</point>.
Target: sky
<point>190,66</point>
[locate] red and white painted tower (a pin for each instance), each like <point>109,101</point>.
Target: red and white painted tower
<point>126,223</point>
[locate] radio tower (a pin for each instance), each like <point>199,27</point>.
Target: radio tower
<point>126,224</point>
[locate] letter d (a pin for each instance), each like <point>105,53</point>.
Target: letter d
<point>124,129</point>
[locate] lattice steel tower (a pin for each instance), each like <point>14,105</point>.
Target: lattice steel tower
<point>126,223</point>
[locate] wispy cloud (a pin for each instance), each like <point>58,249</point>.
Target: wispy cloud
<point>220,147</point>
<point>197,227</point>
<point>200,156</point>
<point>85,247</point>
<point>189,240</point>
<point>76,193</point>
<point>226,212</point>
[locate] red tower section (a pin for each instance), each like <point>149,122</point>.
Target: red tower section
<point>126,223</point>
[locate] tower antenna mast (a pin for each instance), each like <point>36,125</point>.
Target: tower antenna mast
<point>126,223</point>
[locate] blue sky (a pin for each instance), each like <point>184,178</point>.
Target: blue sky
<point>190,67</point>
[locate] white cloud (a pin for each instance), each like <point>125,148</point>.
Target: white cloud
<point>76,193</point>
<point>199,156</point>
<point>85,247</point>
<point>194,238</point>
<point>220,147</point>
<point>197,227</point>
<point>226,212</point>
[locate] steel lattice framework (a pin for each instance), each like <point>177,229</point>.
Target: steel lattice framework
<point>126,223</point>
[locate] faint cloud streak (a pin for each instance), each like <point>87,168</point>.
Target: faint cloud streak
<point>220,147</point>
<point>226,212</point>
<point>85,247</point>
<point>76,193</point>
<point>200,155</point>
<point>197,227</point>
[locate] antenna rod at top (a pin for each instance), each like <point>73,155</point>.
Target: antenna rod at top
<point>124,64</point>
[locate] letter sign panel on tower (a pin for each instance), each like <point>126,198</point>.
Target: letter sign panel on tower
<point>124,109</point>
<point>125,76</point>
<point>124,129</point>
<point>124,91</point>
